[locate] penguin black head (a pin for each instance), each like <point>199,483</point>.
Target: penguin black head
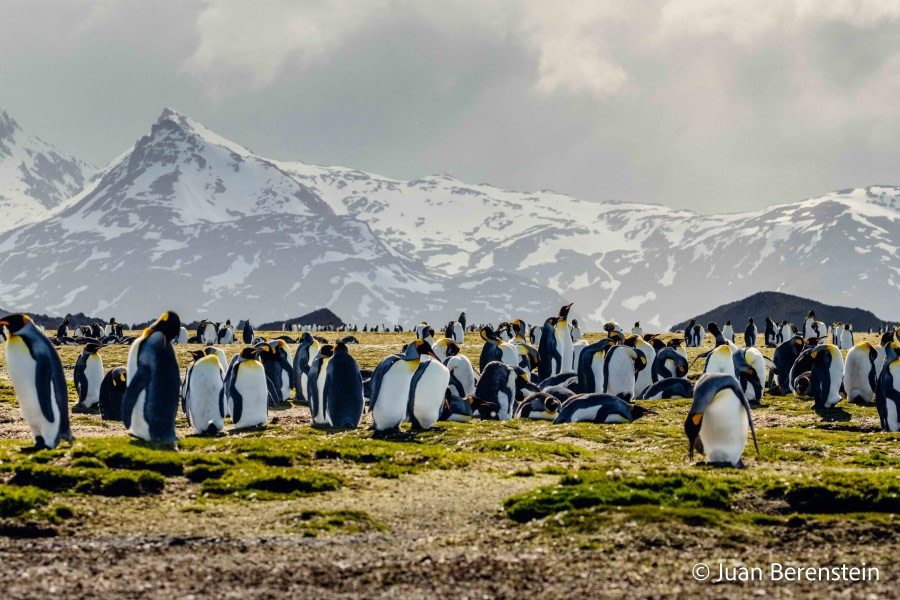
<point>657,343</point>
<point>519,327</point>
<point>452,348</point>
<point>631,340</point>
<point>750,320</point>
<point>422,347</point>
<point>616,336</point>
<point>639,411</point>
<point>713,328</point>
<point>675,342</point>
<point>198,354</point>
<point>65,322</point>
<point>92,348</point>
<point>564,310</point>
<point>15,322</point>
<point>574,322</point>
<point>340,347</point>
<point>488,334</point>
<point>169,324</point>
<point>811,315</point>
<point>637,323</point>
<point>727,323</point>
<point>250,353</point>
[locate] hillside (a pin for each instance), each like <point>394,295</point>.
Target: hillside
<point>322,316</point>
<point>781,307</point>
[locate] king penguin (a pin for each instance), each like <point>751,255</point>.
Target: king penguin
<point>151,398</point>
<point>564,341</point>
<point>87,376</point>
<point>307,350</point>
<point>315,386</point>
<point>620,366</point>
<point>37,377</point>
<point>827,371</point>
<point>112,392</point>
<point>718,421</point>
<point>599,408</point>
<point>860,374</point>
<point>887,400</point>
<point>204,403</point>
<point>750,334</point>
<point>246,391</point>
<point>343,389</point>
<point>247,333</point>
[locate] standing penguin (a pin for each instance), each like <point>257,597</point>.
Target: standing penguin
<point>204,402</point>
<point>112,392</point>
<point>636,330</point>
<point>87,375</point>
<point>644,377</point>
<point>208,333</point>
<point>247,333</point>
<point>37,377</point>
<point>426,393</point>
<point>182,336</point>
<point>576,331</point>
<point>226,333</point>
<point>836,330</point>
<point>390,386</point>
<point>860,374</point>
<point>620,366</point>
<point>727,332</point>
<point>846,338</point>
<point>343,389</point>
<point>315,386</point>
<point>549,358</point>
<point>306,352</point>
<point>785,332</point>
<point>245,390</point>
<point>63,330</point>
<point>151,398</point>
<point>718,421</point>
<point>809,329</point>
<point>750,334</point>
<point>564,340</point>
<point>887,400</point>
<point>455,331</point>
<point>462,321</point>
<point>826,374</point>
<point>770,335</point>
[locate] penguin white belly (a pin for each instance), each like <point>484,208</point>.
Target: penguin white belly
<point>584,414</point>
<point>250,383</point>
<point>462,370</point>
<point>577,347</point>
<point>304,381</point>
<point>393,396</point>
<point>320,418</point>
<point>893,424</point>
<point>846,340</point>
<point>565,348</point>
<point>681,350</point>
<point>21,367</point>
<point>509,355</point>
<point>506,398</point>
<point>880,355</point>
<point>723,431</point>
<point>139,426</point>
<point>429,395</point>
<point>203,401</point>
<point>836,372</point>
<point>621,377</point>
<point>856,377</point>
<point>285,384</point>
<point>645,375</point>
<point>209,335</point>
<point>616,419</point>
<point>93,372</point>
<point>182,336</point>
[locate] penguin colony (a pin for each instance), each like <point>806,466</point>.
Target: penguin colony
<point>543,372</point>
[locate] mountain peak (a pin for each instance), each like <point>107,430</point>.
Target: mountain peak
<point>194,127</point>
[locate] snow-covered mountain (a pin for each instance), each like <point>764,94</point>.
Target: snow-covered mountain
<point>189,220</point>
<point>34,176</point>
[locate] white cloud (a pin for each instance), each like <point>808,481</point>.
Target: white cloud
<point>573,51</point>
<point>251,42</point>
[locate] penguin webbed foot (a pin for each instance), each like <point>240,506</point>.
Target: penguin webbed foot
<point>39,444</point>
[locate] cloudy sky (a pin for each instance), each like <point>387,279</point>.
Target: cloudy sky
<point>712,105</point>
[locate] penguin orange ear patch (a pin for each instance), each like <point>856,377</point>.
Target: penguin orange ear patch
<point>697,418</point>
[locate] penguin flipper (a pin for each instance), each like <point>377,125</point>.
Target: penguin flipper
<point>237,402</point>
<point>273,394</point>
<point>138,384</point>
<point>378,377</point>
<point>411,399</point>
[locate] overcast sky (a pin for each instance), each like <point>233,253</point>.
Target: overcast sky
<point>711,105</point>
